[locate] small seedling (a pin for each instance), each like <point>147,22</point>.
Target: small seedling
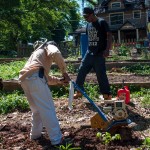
<point>106,138</point>
<point>146,143</point>
<point>67,147</point>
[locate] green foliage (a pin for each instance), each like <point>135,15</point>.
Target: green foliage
<point>146,100</point>
<point>106,137</point>
<point>21,19</point>
<point>11,70</point>
<point>123,50</point>
<point>146,143</point>
<point>92,91</point>
<point>62,91</point>
<point>55,72</point>
<point>67,147</point>
<point>145,94</point>
<point>10,102</point>
<point>71,68</point>
<point>138,69</point>
<point>98,134</point>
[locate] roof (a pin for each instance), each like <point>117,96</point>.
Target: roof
<point>129,4</point>
<point>128,25</point>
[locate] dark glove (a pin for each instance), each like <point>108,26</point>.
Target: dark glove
<point>66,77</point>
<point>63,81</point>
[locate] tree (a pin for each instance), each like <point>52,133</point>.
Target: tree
<point>21,19</point>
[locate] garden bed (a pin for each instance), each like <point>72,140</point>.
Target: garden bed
<point>75,124</point>
<point>114,79</point>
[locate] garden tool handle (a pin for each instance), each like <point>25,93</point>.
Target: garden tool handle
<point>71,93</point>
<point>102,115</point>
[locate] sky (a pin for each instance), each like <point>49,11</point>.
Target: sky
<point>80,4</point>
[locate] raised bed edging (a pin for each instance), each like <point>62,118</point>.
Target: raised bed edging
<point>109,64</point>
<point>11,85</point>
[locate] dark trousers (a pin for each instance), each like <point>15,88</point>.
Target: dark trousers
<point>98,64</point>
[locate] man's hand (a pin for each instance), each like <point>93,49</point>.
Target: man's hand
<point>66,77</point>
<point>63,81</point>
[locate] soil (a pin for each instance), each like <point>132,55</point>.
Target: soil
<point>75,124</point>
<point>117,77</point>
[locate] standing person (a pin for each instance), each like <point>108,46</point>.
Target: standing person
<point>148,29</point>
<point>99,44</point>
<point>34,81</point>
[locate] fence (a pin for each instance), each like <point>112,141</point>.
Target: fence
<point>24,50</point>
<point>66,48</point>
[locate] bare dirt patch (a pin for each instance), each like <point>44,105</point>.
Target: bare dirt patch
<point>117,77</point>
<point>15,128</point>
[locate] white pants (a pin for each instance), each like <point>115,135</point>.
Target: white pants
<point>42,106</point>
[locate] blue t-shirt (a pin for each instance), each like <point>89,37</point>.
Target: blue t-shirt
<point>97,36</point>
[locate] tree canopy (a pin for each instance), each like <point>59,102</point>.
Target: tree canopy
<point>28,20</point>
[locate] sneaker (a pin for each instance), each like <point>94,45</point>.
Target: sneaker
<point>35,137</point>
<point>77,95</point>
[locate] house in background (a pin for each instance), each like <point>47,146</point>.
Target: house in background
<point>127,19</point>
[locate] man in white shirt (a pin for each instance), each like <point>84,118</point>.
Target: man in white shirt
<point>34,79</point>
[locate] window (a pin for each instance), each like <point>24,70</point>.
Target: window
<point>116,5</point>
<point>116,19</point>
<point>136,15</point>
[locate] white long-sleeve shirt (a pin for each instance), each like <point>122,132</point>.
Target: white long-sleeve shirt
<point>44,58</point>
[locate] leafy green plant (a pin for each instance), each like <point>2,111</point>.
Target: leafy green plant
<point>11,70</point>
<point>106,137</point>
<point>61,92</point>
<point>67,147</point>
<point>92,91</point>
<point>71,68</point>
<point>55,72</point>
<point>146,101</point>
<point>138,69</point>
<point>10,102</point>
<point>146,143</point>
<point>144,95</point>
<point>123,50</point>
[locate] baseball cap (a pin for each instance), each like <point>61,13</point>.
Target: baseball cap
<point>88,10</point>
<point>51,43</point>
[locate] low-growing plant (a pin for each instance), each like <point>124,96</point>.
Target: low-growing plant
<point>67,147</point>
<point>144,95</point>
<point>11,70</point>
<point>71,68</point>
<point>106,137</point>
<point>123,50</point>
<point>61,92</point>
<point>10,102</point>
<point>146,143</point>
<point>92,91</point>
<point>138,69</point>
